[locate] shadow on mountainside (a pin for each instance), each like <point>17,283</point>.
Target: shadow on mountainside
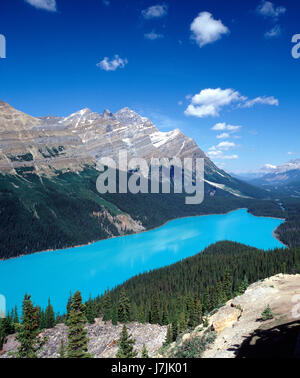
<point>281,341</point>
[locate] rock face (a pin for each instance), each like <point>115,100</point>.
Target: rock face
<point>240,318</point>
<point>225,318</point>
<point>103,339</point>
<point>46,145</point>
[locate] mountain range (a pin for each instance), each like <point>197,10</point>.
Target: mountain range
<point>284,179</point>
<point>48,179</point>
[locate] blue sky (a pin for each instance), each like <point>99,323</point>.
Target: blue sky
<point>187,64</point>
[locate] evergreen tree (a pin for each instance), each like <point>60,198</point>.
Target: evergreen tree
<point>220,297</point>
<point>28,331</point>
<point>69,304</point>
<point>182,323</point>
<point>62,349</point>
<point>141,314</point>
<point>16,317</point>
<point>145,352</point>
<point>114,316</point>
<point>77,334</point>
<point>123,308</point>
<point>165,317</point>
<point>126,345</point>
<point>267,314</point>
<point>49,316</point>
<point>169,336</point>
<point>198,311</point>
<point>155,316</point>
<point>227,286</point>
<point>106,308</point>
<point>90,313</point>
<point>174,330</point>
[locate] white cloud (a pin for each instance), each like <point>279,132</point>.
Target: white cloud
<point>269,166</point>
<point>220,155</point>
<point>223,136</point>
<point>261,101</point>
<point>217,151</point>
<point>153,36</point>
<point>49,5</point>
<point>156,11</point>
<point>205,29</point>
<point>113,64</point>
<point>274,32</point>
<point>210,101</point>
<point>225,145</point>
<point>223,126</point>
<point>268,9</point>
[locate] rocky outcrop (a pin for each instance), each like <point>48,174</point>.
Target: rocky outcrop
<point>241,317</point>
<point>123,222</point>
<point>103,339</point>
<point>225,318</point>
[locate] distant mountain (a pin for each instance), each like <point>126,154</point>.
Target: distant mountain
<point>284,178</point>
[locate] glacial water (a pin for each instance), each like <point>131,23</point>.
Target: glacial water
<point>95,267</point>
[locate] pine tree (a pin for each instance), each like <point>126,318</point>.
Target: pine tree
<point>123,308</point>
<point>221,297</point>
<point>28,331</point>
<point>182,323</point>
<point>77,334</point>
<point>206,302</point>
<point>62,350</point>
<point>126,345</point>
<point>106,308</point>
<point>141,314</point>
<point>155,316</point>
<point>174,330</point>
<point>145,352</point>
<point>267,314</point>
<point>165,316</point>
<point>227,285</point>
<point>16,317</point>
<point>90,314</point>
<point>69,304</point>
<point>114,315</point>
<point>49,316</point>
<point>198,311</point>
<point>169,336</point>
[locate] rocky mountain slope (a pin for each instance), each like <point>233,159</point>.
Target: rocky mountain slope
<point>48,144</point>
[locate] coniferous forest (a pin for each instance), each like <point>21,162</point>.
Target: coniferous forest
<point>180,295</point>
<point>61,209</point>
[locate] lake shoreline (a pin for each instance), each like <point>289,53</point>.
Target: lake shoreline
<point>275,235</point>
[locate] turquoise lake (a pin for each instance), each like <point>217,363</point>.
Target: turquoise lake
<point>93,268</point>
